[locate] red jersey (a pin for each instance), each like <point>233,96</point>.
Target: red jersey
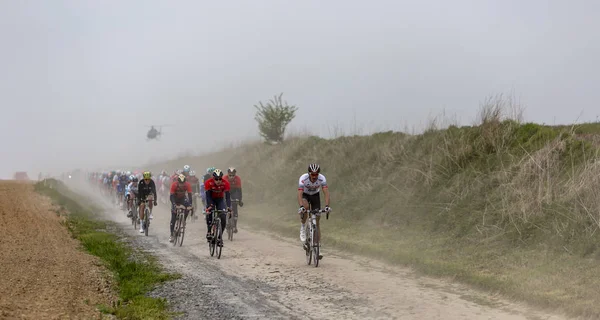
<point>235,183</point>
<point>181,190</point>
<point>217,191</point>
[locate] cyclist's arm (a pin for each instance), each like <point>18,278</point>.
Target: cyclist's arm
<point>228,198</point>
<point>209,199</point>
<point>326,192</point>
<point>189,191</point>
<point>172,192</point>
<point>325,189</point>
<point>300,202</point>
<point>300,191</point>
<point>239,183</point>
<point>153,188</point>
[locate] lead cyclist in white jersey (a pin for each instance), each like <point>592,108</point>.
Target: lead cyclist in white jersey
<point>309,186</point>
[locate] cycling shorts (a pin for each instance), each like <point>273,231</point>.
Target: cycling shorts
<point>314,200</point>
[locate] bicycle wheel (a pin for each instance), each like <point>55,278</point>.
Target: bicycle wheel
<point>229,229</point>
<point>219,236</point>
<point>315,246</point>
<point>212,242</point>
<point>146,220</point>
<point>182,229</point>
<point>307,244</point>
<point>176,228</point>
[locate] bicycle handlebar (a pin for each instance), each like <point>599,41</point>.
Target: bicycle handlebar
<point>318,212</point>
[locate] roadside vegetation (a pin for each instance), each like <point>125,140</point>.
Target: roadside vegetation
<point>135,273</point>
<point>503,205</point>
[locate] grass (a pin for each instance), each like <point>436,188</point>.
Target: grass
<point>135,273</point>
<point>503,205</point>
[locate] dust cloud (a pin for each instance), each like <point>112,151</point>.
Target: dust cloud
<point>81,81</point>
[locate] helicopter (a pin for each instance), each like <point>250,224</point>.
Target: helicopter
<point>153,133</point>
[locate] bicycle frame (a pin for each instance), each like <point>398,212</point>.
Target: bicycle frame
<point>310,246</point>
<point>215,229</point>
<point>180,222</point>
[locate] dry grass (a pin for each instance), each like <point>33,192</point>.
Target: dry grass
<point>503,205</point>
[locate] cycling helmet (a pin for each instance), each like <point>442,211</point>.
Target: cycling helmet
<point>186,168</point>
<point>164,172</point>
<point>131,177</point>
<point>135,179</point>
<point>314,168</point>
<point>147,175</point>
<point>192,173</point>
<point>217,174</point>
<point>128,173</point>
<point>181,178</point>
<point>232,170</point>
<point>210,170</point>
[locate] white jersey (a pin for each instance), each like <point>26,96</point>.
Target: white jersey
<point>309,187</point>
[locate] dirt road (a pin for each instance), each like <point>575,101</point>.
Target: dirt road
<point>43,273</point>
<point>262,276</point>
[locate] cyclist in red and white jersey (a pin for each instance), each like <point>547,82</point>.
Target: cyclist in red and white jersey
<point>310,185</point>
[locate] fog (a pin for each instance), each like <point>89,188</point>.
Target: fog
<point>80,80</point>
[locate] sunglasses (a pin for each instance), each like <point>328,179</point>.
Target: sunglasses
<point>218,179</point>
<point>314,175</point>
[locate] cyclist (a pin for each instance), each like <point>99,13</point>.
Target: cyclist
<point>205,178</point>
<point>186,170</point>
<point>309,186</point>
<point>195,183</point>
<point>217,196</point>
<point>131,191</point>
<point>146,187</point>
<point>236,193</point>
<point>181,194</point>
<point>123,180</point>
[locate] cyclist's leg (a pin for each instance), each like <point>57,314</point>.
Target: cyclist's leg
<point>173,216</point>
<point>141,215</point>
<point>220,205</point>
<point>141,211</point>
<point>234,208</point>
<point>315,204</point>
<point>208,223</point>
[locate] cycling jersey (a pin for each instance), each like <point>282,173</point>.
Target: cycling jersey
<point>145,189</point>
<point>132,188</point>
<point>123,182</point>
<point>216,192</point>
<point>236,187</point>
<point>178,191</point>
<point>235,182</point>
<point>195,183</point>
<point>311,188</point>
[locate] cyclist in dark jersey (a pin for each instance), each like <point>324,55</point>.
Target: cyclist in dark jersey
<point>236,194</point>
<point>181,194</point>
<point>217,197</point>
<point>146,187</point>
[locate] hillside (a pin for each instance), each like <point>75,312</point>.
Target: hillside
<point>502,205</point>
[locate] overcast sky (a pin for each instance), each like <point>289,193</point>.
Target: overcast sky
<point>80,80</point>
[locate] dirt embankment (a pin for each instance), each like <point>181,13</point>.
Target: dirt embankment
<point>43,272</point>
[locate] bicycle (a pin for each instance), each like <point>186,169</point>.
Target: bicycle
<point>180,222</point>
<point>146,222</point>
<point>232,219</point>
<point>216,232</point>
<point>310,247</point>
